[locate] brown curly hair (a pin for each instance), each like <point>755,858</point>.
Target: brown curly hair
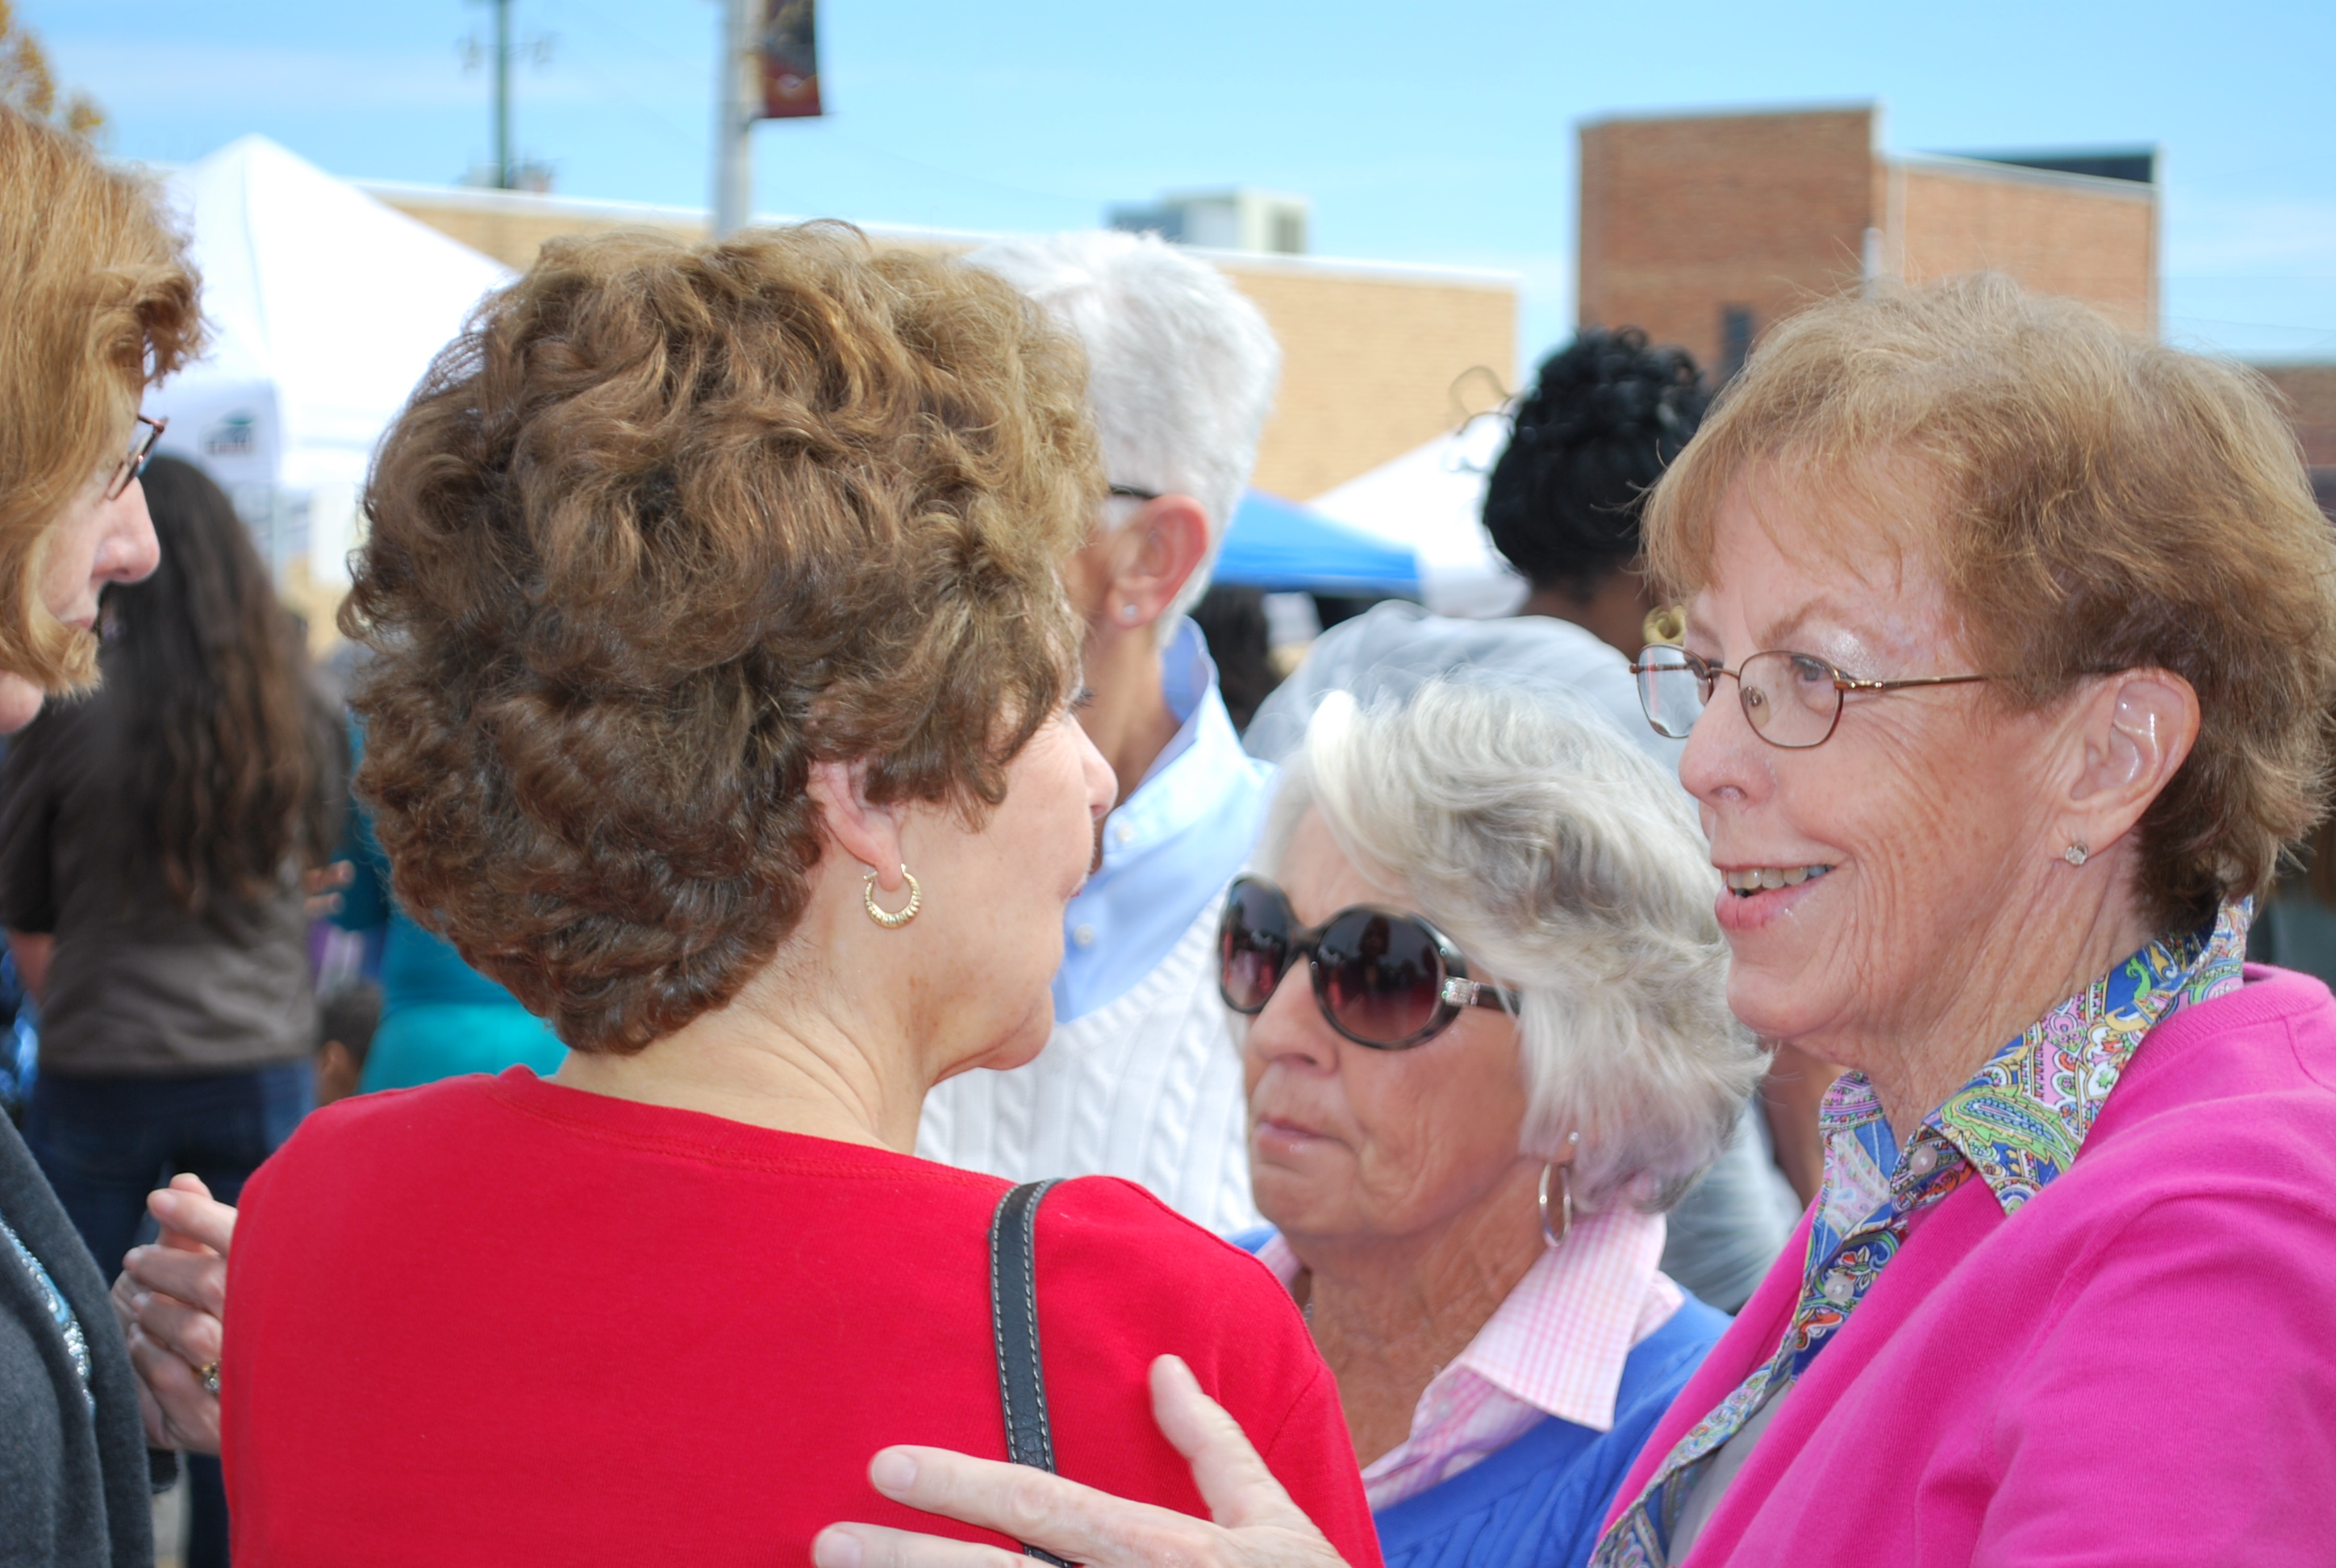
<point>668,525</point>
<point>99,300</point>
<point>2103,502</point>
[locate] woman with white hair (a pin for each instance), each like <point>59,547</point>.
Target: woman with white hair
<point>1512,1052</point>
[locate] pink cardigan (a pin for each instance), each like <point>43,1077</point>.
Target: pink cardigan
<point>2136,1367</point>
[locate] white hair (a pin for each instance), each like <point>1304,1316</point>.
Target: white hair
<point>1181,367</point>
<point>1564,863</point>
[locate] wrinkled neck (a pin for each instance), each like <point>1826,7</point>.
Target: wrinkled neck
<point>1390,1312</point>
<point>2037,951</point>
<point>796,1068</point>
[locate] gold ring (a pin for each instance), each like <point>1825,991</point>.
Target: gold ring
<point>209,1373</point>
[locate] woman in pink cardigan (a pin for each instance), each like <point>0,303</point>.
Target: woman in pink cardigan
<point>2009,638</point>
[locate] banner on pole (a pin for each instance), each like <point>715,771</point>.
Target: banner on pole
<point>786,51</point>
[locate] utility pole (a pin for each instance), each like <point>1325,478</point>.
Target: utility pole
<point>734,127</point>
<point>506,170</point>
<point>506,176</point>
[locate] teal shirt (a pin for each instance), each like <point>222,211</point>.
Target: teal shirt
<point>2295,930</point>
<point>439,1018</point>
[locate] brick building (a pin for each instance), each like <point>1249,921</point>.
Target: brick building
<point>2309,392</point>
<point>2308,397</point>
<point>1704,230</point>
<point>1371,352</point>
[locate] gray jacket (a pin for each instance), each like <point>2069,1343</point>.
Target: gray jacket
<point>74,1492</point>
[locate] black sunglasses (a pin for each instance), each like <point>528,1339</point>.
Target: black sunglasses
<point>1382,978</point>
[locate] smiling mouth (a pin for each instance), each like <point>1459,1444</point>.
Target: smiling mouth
<point>1761,878</point>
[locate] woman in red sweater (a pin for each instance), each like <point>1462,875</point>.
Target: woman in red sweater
<point>721,711</point>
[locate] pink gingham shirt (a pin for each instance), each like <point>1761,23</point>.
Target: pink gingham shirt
<point>1555,1348</point>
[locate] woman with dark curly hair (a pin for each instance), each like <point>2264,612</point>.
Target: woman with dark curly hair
<point>1604,419</point>
<point>722,710</point>
<point>1602,422</point>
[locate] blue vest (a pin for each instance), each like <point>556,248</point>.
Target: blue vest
<point>1539,1502</point>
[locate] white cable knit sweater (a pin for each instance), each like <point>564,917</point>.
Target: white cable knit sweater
<point>1148,1086</point>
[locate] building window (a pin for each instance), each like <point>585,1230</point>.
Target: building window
<point>1735,339</point>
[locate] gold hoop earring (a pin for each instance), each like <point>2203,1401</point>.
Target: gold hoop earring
<point>1556,1238</point>
<point>889,920</point>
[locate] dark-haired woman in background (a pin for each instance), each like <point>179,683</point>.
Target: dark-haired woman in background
<point>151,845</point>
<point>1604,418</point>
<point>1603,421</point>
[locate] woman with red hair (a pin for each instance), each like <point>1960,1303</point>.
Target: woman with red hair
<point>96,300</point>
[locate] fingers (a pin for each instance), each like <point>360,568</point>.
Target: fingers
<point>194,1336</point>
<point>150,1414</point>
<point>189,1412</point>
<point>1069,1520</point>
<point>190,1217</point>
<point>872,1546</point>
<point>321,884</point>
<point>198,1278</point>
<point>1232,1480</point>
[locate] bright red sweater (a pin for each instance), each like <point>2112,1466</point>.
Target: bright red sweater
<point>495,1320</point>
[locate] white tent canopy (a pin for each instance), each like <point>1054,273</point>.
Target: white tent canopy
<point>326,308</point>
<point>1432,499</point>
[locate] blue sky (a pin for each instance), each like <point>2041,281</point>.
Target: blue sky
<point>1435,133</point>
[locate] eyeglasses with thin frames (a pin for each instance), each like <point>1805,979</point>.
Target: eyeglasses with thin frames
<point>1792,700</point>
<point>133,461</point>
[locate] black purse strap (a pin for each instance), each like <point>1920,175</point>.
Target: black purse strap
<point>1014,1322</point>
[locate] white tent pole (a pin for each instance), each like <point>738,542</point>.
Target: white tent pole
<point>734,149</point>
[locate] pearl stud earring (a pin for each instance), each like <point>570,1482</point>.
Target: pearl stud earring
<point>1128,613</point>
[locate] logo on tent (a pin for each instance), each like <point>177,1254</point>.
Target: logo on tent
<point>235,435</point>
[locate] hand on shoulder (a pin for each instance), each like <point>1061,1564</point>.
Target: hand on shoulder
<point>1252,1522</point>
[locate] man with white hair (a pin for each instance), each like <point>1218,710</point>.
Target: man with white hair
<point>1142,1078</point>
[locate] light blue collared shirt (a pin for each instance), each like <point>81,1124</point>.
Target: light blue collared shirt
<point>1170,849</point>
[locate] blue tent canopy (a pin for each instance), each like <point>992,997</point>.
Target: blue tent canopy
<point>1281,546</point>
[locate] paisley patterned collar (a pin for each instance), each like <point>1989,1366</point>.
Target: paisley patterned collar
<point>2021,1119</point>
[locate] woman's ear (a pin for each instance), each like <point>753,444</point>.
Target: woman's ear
<point>2135,731</point>
<point>869,834</point>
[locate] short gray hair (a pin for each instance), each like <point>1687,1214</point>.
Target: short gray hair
<point>1566,864</point>
<point>1181,367</point>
